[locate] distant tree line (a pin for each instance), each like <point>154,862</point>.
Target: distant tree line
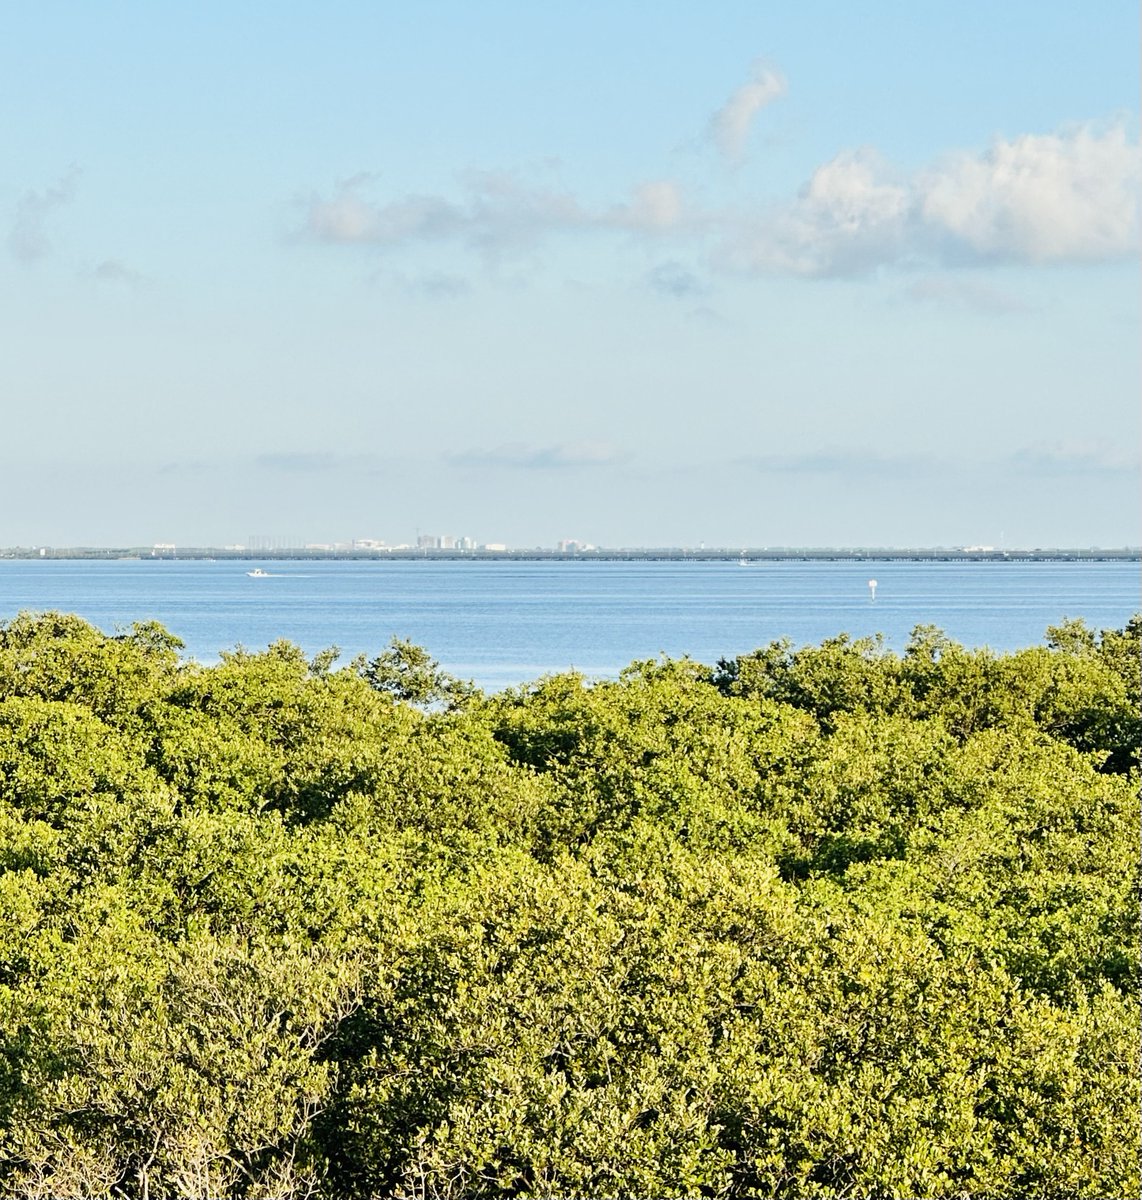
<point>813,922</point>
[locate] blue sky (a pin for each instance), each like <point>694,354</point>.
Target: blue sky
<point>639,274</point>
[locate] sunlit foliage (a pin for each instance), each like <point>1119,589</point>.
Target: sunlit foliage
<point>813,922</point>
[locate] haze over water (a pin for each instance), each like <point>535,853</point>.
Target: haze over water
<point>504,623</point>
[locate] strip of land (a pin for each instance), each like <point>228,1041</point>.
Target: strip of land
<point>620,554</point>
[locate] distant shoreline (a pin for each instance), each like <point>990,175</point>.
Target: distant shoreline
<point>664,554</point>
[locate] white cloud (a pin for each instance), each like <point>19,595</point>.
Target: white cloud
<point>850,216</point>
<point>653,208</point>
<point>1071,196</point>
<point>730,125</point>
<point>28,238</point>
<point>1065,197</point>
<point>496,212</point>
<point>1068,196</point>
<point>348,218</point>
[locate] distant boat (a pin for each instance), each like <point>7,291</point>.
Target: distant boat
<point>743,561</point>
<point>258,573</point>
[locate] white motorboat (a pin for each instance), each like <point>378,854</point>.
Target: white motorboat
<point>258,573</point>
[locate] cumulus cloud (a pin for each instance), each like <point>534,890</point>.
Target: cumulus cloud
<point>1038,198</point>
<point>1071,196</point>
<point>730,125</point>
<point>28,238</point>
<point>495,212</point>
<point>558,456</point>
<point>851,216</point>
<point>1067,197</point>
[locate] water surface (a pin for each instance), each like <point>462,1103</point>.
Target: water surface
<point>501,623</point>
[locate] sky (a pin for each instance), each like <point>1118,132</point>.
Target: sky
<point>638,274</point>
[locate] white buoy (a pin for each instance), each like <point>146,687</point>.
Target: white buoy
<point>872,589</point>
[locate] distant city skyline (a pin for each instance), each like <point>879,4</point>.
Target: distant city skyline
<point>448,546</point>
<point>824,274</point>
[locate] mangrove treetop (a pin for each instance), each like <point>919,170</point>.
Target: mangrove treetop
<point>803,923</point>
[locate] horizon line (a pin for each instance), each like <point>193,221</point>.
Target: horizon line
<point>348,551</point>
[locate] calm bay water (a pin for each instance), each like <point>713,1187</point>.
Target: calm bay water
<point>501,623</point>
